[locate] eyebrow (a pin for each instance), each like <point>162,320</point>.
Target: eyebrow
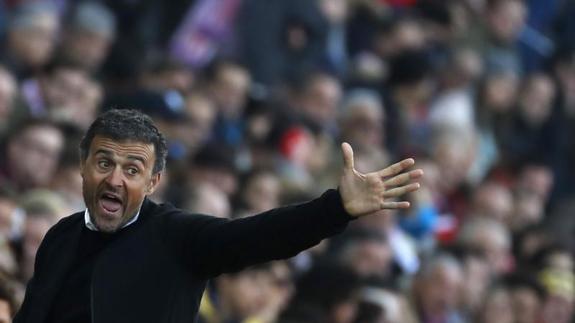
<point>109,154</point>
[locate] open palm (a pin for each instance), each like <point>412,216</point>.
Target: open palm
<point>363,194</point>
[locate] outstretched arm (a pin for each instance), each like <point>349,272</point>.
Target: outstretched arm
<point>364,194</point>
<point>213,246</point>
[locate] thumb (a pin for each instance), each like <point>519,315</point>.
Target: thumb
<point>347,156</point>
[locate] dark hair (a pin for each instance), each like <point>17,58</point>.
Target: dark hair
<point>327,284</point>
<point>525,280</point>
<point>354,236</point>
<point>409,67</point>
<point>21,126</point>
<point>127,125</point>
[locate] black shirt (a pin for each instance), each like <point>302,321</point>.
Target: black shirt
<point>72,303</point>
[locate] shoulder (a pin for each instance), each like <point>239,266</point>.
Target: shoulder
<point>69,222</point>
<point>66,224</point>
<point>166,214</point>
<point>60,234</point>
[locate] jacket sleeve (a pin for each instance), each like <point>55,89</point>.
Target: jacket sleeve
<point>211,246</point>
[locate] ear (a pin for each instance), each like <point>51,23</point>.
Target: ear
<point>153,184</point>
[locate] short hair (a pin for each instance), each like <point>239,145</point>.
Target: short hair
<point>327,284</point>
<point>22,126</point>
<point>127,125</point>
<point>43,204</point>
<point>437,261</point>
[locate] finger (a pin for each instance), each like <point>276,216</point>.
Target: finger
<point>403,178</point>
<point>396,168</point>
<point>395,205</point>
<point>347,156</point>
<point>398,191</point>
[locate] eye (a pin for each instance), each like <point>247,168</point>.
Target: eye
<point>103,163</point>
<point>133,171</point>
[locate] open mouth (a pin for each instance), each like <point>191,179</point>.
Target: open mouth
<point>111,203</point>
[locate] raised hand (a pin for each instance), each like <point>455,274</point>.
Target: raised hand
<point>363,194</point>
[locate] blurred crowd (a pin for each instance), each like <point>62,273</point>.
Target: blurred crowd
<point>255,97</point>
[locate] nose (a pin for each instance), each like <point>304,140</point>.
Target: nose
<point>115,177</point>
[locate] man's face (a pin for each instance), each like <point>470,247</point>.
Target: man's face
<point>117,176</point>
<point>38,145</point>
<point>34,44</point>
<point>86,48</point>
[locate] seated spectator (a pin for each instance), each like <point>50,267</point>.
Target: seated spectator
<point>8,91</point>
<point>437,289</point>
<point>63,92</point>
<point>492,239</point>
<point>326,293</point>
<point>87,36</point>
<point>256,294</point>
<point>492,200</point>
<point>216,165</point>
<point>30,37</point>
<point>33,143</point>
<point>362,120</point>
<point>206,198</point>
<point>43,209</point>
<point>380,304</point>
<point>366,252</point>
<point>227,85</point>
<point>527,297</point>
<point>261,192</point>
<point>496,306</point>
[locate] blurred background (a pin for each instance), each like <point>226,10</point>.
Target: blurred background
<point>255,97</point>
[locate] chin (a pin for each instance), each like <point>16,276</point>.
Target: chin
<point>107,227</point>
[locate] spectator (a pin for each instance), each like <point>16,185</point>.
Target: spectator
<point>492,239</point>
<point>262,192</point>
<point>249,296</point>
<point>317,100</point>
<point>362,120</point>
<point>504,20</point>
<point>63,92</point>
<point>88,35</point>
<point>31,38</point>
<point>326,293</point>
<point>205,198</point>
<point>43,209</point>
<point>228,85</point>
<point>8,92</point>
<point>496,306</point>
<point>492,200</point>
<point>527,297</point>
<point>215,165</point>
<point>35,142</point>
<point>437,289</point>
<point>365,252</point>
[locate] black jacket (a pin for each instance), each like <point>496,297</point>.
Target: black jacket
<point>157,269</point>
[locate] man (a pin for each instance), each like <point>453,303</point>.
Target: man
<point>32,153</point>
<point>31,35</point>
<point>127,259</point>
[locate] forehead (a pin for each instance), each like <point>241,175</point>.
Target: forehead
<point>122,148</point>
<point>44,135</point>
